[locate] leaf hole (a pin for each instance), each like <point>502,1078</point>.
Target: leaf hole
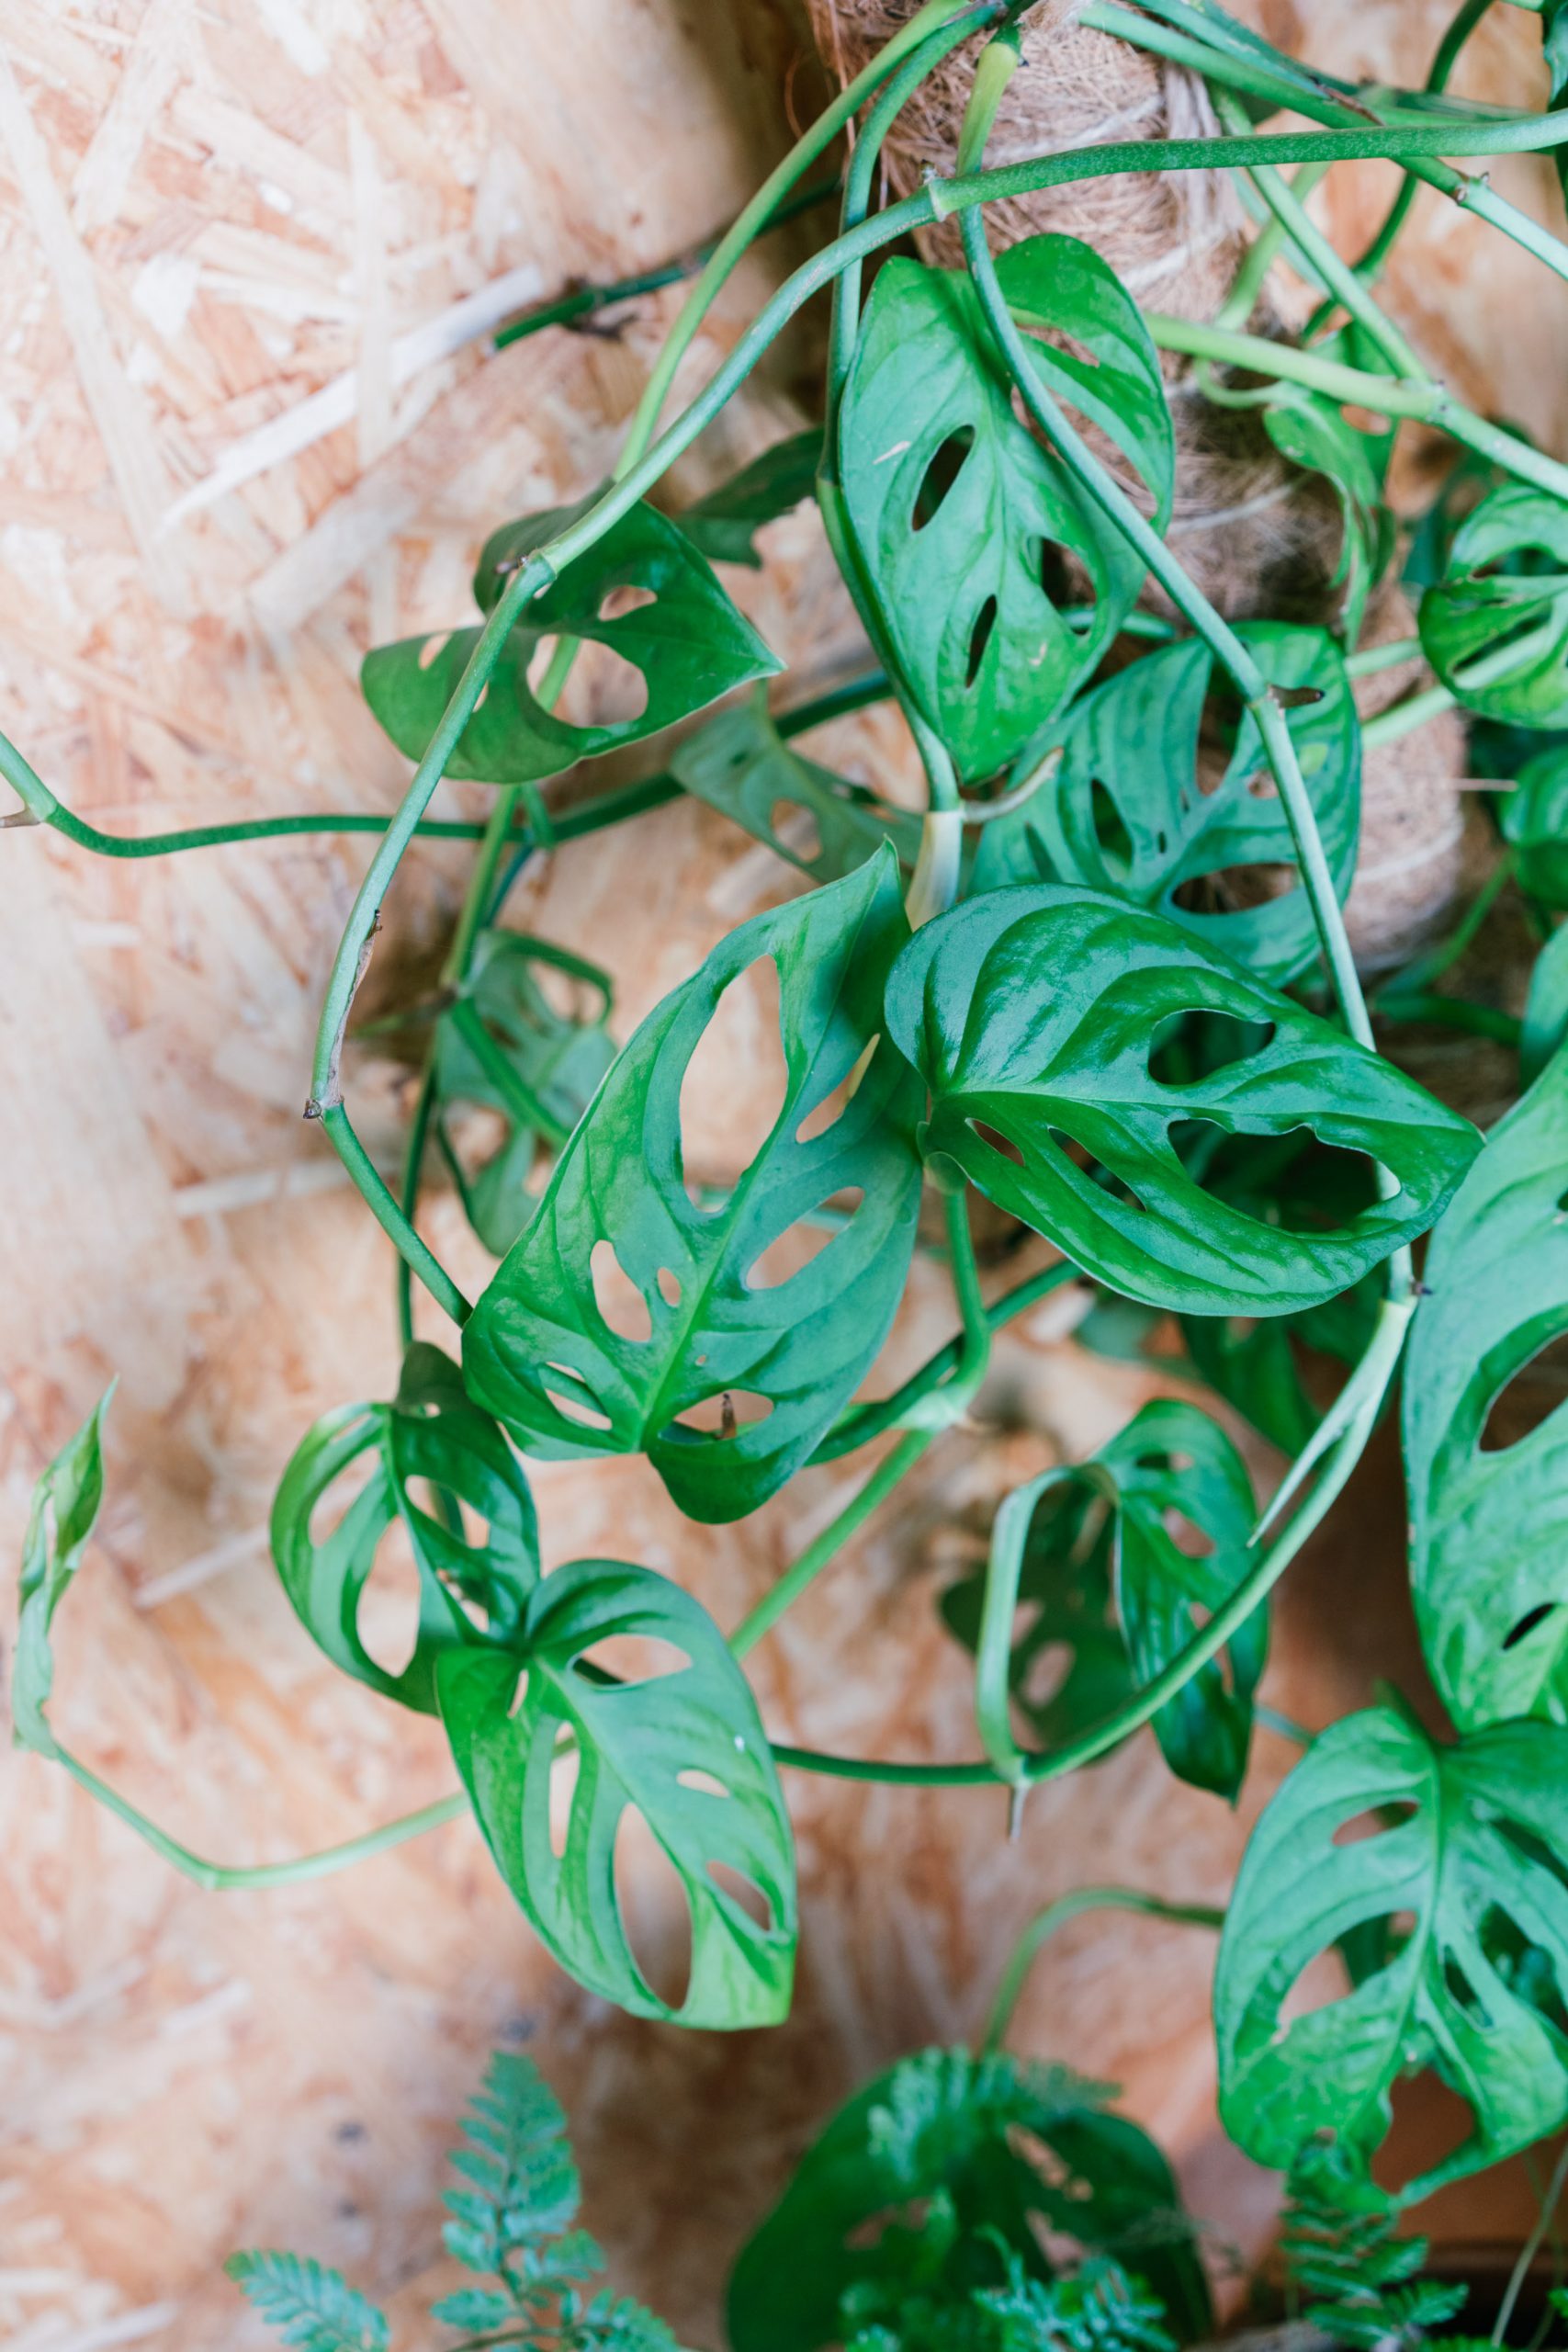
<point>1531,1623</point>
<point>1192,1542</point>
<point>1187,1047</point>
<point>720,1418</point>
<point>744,1893</point>
<point>430,652</point>
<point>563,1796</point>
<point>706,1783</point>
<point>1531,1396</point>
<point>669,1287</point>
<point>606,689</point>
<point>1374,1824</point>
<point>1053,570</point>
<point>994,1141</point>
<point>801,1243</point>
<point>1527,1971</point>
<point>622,1307</point>
<point>390,1605</point>
<point>1111,831</point>
<point>573,1397</point>
<point>627,596</point>
<point>651,1901</point>
<point>827,1113</point>
<point>980,638</point>
<point>736,1084</point>
<point>794,827</point>
<point>940,477</point>
<point>629,1658</point>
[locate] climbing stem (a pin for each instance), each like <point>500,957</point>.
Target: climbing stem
<point>1061,1914</point>
<point>818,1555</point>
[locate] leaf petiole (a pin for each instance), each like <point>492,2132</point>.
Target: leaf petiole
<point>1061,1914</point>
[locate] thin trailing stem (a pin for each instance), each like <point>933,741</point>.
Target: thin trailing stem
<point>820,1555</point>
<point>1531,2247</point>
<point>1061,1914</point>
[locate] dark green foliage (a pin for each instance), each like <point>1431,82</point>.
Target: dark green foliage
<point>724,525</point>
<point>1350,2272</point>
<point>825,826</point>
<point>1506,593</point>
<point>1535,824</point>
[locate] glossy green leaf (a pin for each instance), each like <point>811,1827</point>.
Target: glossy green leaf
<point>66,1502</point>
<point>1507,586</point>
<point>1534,821</point>
<point>1546,1007</point>
<point>973,2160</point>
<point>1317,436</point>
<point>1034,1016</point>
<point>740,765</point>
<point>1137,809</point>
<point>1466,1848</point>
<point>429,1437</point>
<point>554,1059</point>
<point>1140,1546</point>
<point>968,532</point>
<point>1489,1493</point>
<point>644,591</point>
<point>1110,370</point>
<point>723,526</point>
<point>539,1351</point>
<point>684,1748</point>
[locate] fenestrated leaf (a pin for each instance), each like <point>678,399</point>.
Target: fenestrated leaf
<point>1488,1505</point>
<point>967,528</point>
<point>65,1508</point>
<point>556,1059</point>
<point>1144,806</point>
<point>539,1350</point>
<point>1534,821</point>
<point>1099,1548</point>
<point>689,643</point>
<point>686,1749</point>
<point>1317,436</point>
<point>740,765</point>
<point>1546,1007</point>
<point>724,525</point>
<point>1471,1843</point>
<point>927,2164</point>
<point>468,1592</point>
<point>1507,586</point>
<point>1032,1014</point>
<point>1057,285</point>
<point>313,2309</point>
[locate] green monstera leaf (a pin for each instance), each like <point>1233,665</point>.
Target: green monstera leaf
<point>724,525</point>
<point>644,591</point>
<point>1505,596</point>
<point>1130,809</point>
<point>66,1503</point>
<point>1535,823</point>
<point>1465,1851</point>
<point>1036,1018</point>
<point>1318,436</point>
<point>536,1066</point>
<point>969,533</point>
<point>468,1591</point>
<point>741,765</point>
<point>682,1747</point>
<point>1488,1491</point>
<point>927,2175</point>
<point>1162,1546</point>
<point>539,1351</point>
<point>1546,1007</point>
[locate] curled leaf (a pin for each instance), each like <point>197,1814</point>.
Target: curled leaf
<point>1535,822</point>
<point>65,1508</point>
<point>1505,596</point>
<point>724,525</point>
<point>739,764</point>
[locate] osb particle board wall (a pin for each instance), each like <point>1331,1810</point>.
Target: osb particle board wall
<point>214,214</point>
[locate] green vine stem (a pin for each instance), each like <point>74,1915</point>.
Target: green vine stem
<point>1061,1914</point>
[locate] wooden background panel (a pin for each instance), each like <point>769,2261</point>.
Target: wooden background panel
<point>213,217</point>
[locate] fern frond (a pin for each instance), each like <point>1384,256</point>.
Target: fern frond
<point>1359,2282</point>
<point>312,2308</point>
<point>945,2096</point>
<point>1098,2310</point>
<point>614,2323</point>
<point>525,2184</point>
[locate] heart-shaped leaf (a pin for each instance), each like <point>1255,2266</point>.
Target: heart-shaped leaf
<point>1507,586</point>
<point>551,1063</point>
<point>66,1502</point>
<point>1036,1018</point>
<point>968,530</point>
<point>1141,806</point>
<point>723,526</point>
<point>937,2176</point>
<point>468,1592</point>
<point>740,765</point>
<point>539,1351</point>
<point>1534,821</point>
<point>685,1749</point>
<point>1465,1849</point>
<point>1488,1492</point>
<point>644,591</point>
<point>1126,1550</point>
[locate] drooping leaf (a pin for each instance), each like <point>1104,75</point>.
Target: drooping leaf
<point>539,1351</point>
<point>1488,1493</point>
<point>65,1508</point>
<point>1468,1854</point>
<point>967,531</point>
<point>1317,436</point>
<point>431,1433</point>
<point>312,2308</point>
<point>523,2184</point>
<point>685,1749</point>
<point>1124,1571</point>
<point>723,526</point>
<point>556,1060</point>
<point>924,2171</point>
<point>1535,822</point>
<point>740,765</point>
<point>1506,588</point>
<point>1143,806</point>
<point>1034,1016</point>
<point>1546,1007</point>
<point>644,591</point>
